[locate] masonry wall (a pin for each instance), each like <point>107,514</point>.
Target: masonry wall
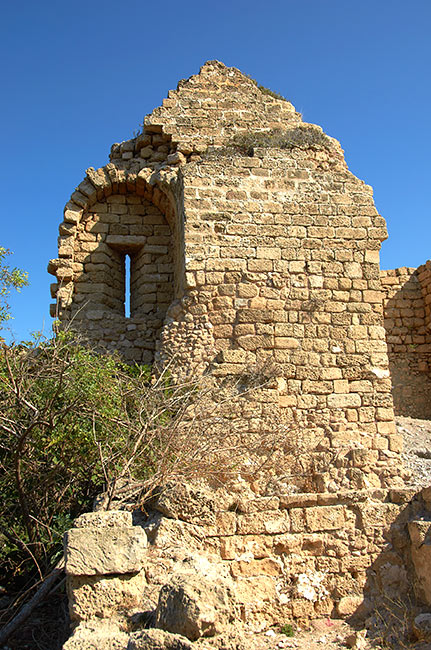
<point>407,299</point>
<point>284,558</point>
<point>260,259</point>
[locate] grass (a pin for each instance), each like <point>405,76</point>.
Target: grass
<point>267,91</point>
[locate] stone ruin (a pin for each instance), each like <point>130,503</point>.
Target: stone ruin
<point>230,236</point>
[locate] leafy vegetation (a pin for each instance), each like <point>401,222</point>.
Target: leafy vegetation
<point>74,424</point>
<point>288,629</point>
<point>9,279</point>
<point>61,408</point>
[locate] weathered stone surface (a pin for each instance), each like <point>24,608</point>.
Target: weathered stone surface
<point>349,605</point>
<point>188,502</point>
<point>286,271</point>
<point>108,519</point>
<point>97,635</point>
<point>158,640</point>
<point>324,518</point>
<point>273,260</point>
<point>195,605</point>
<point>101,551</point>
<point>102,597</point>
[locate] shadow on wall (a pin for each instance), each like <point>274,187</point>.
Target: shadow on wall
<point>408,335</point>
<point>398,584</point>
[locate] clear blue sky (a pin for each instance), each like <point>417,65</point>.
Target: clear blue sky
<point>78,76</point>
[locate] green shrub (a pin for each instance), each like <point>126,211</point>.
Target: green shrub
<point>9,279</point>
<point>287,629</point>
<point>74,423</point>
<point>63,411</point>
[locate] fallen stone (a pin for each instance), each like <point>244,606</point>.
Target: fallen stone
<point>195,605</point>
<point>154,639</point>
<point>356,641</point>
<point>349,605</point>
<point>192,503</point>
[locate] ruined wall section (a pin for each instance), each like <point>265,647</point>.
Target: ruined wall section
<point>282,252</point>
<point>118,213</point>
<point>271,258</point>
<point>213,106</point>
<point>281,558</point>
<point>407,306</point>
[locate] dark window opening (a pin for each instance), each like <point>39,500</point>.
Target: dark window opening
<point>127,286</point>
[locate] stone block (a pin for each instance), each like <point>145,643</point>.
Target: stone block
<point>253,546</point>
<point>153,639</point>
<point>97,635</point>
<point>101,551</point>
<point>340,400</point>
<point>324,518</point>
<point>265,523</point>
<point>104,519</point>
<point>104,596</point>
<point>194,605</point>
<point>262,567</point>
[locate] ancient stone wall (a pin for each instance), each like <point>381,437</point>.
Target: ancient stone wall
<point>247,262</point>
<point>216,561</point>
<point>407,300</point>
<point>241,257</point>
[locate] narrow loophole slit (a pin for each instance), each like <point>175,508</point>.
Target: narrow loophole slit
<point>127,286</point>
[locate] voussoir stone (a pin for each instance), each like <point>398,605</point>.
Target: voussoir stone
<point>101,551</point>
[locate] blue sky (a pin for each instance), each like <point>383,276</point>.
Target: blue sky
<point>78,76</point>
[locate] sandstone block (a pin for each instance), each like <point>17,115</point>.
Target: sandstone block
<point>266,523</point>
<point>420,535</point>
<point>97,635</point>
<point>101,597</point>
<point>340,400</point>
<point>154,639</point>
<point>102,519</point>
<point>255,546</point>
<point>192,503</point>
<point>101,551</point>
<point>262,567</point>
<point>195,606</point>
<point>324,518</point>
<point>349,605</point>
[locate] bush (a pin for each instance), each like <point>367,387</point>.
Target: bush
<point>75,423</point>
<point>267,91</point>
<point>61,408</point>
